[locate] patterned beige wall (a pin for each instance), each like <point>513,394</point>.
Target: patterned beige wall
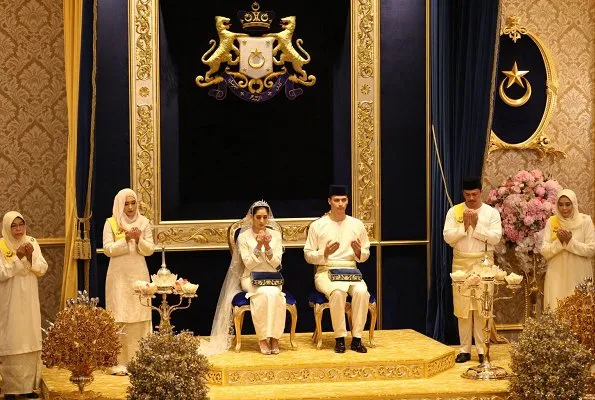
<point>33,128</point>
<point>567,28</point>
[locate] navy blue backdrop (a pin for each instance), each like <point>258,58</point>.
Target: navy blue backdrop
<point>464,36</point>
<point>403,161</point>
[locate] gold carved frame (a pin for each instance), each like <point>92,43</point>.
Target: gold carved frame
<point>538,141</point>
<point>145,154</point>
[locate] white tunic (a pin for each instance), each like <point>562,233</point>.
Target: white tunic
<point>469,247</point>
<point>267,303</point>
<point>323,231</point>
<point>259,263</point>
<point>568,264</point>
<point>127,264</point>
<point>20,317</point>
<point>488,228</point>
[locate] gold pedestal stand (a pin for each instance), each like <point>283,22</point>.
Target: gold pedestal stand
<point>486,292</point>
<point>165,309</point>
<point>164,276</point>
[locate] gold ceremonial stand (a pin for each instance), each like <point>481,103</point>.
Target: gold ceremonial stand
<point>165,309</point>
<point>482,293</point>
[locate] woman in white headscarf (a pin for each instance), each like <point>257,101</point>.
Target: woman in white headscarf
<point>21,263</point>
<point>259,248</point>
<point>127,240</point>
<point>568,246</point>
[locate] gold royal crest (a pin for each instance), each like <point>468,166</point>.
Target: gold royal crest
<point>255,69</point>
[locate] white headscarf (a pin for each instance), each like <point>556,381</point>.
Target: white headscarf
<point>118,211</point>
<point>12,243</point>
<point>576,218</point>
<point>222,329</point>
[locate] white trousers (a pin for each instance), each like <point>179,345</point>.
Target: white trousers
<point>471,327</point>
<point>21,373</point>
<point>133,333</point>
<point>267,306</point>
<point>360,300</point>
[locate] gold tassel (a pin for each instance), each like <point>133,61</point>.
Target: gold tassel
<point>82,243</point>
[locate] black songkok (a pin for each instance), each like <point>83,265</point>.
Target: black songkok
<point>471,183</point>
<point>337,190</point>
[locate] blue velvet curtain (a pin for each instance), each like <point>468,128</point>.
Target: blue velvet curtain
<point>85,134</point>
<point>464,38</point>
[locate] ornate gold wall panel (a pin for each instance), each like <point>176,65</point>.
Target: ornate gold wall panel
<point>34,128</point>
<point>145,130</point>
<point>538,141</point>
<point>568,28</point>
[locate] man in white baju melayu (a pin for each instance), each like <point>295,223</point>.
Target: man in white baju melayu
<point>340,241</point>
<point>467,228</point>
<point>127,240</point>
<point>21,263</point>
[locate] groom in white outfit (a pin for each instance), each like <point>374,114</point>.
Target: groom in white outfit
<point>338,240</point>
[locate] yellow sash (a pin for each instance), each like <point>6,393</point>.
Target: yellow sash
<point>8,254</point>
<point>555,225</point>
<point>459,210</point>
<point>119,233</point>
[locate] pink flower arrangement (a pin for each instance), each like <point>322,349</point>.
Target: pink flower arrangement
<point>525,202</point>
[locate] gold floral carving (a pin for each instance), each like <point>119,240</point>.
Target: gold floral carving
<point>365,39</point>
<point>143,48</point>
<point>365,161</point>
<point>538,141</point>
<point>513,28</point>
<point>503,396</point>
<point>145,148</point>
<point>370,229</point>
<point>294,233</point>
<point>215,377</point>
<point>193,235</point>
<point>326,374</point>
<point>74,395</point>
<point>144,91</point>
<point>441,364</point>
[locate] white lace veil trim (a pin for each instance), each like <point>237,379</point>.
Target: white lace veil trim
<point>222,331</point>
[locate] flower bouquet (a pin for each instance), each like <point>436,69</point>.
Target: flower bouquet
<point>525,201</point>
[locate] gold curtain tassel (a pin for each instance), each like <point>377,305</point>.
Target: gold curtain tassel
<point>82,245</point>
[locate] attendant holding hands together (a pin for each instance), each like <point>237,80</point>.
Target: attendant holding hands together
<point>127,240</point>
<point>21,264</point>
<point>569,247</point>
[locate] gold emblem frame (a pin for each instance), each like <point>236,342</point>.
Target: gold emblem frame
<point>145,152</point>
<point>538,141</point>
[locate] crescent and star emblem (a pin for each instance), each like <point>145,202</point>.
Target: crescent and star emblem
<point>515,76</point>
<point>256,59</point>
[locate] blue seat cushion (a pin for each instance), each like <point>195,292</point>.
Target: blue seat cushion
<point>240,299</point>
<point>319,298</point>
<point>289,299</point>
